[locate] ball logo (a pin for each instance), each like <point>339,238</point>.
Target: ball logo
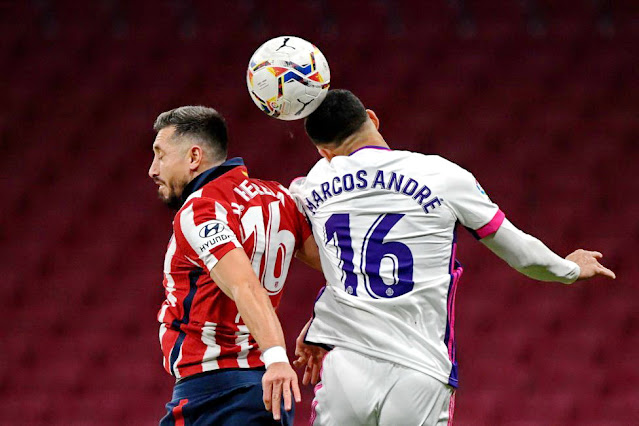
<point>211,229</point>
<point>286,39</point>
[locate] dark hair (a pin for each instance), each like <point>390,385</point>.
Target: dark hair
<point>339,115</point>
<point>205,124</point>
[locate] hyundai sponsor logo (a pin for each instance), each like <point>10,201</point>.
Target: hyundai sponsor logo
<point>210,229</point>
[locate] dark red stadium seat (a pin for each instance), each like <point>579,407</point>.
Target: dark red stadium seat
<point>547,124</point>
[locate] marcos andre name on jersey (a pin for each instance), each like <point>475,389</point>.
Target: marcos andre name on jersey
<point>381,179</point>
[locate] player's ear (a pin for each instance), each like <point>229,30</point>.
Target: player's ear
<point>196,155</point>
<point>373,117</point>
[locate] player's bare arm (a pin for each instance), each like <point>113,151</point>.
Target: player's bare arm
<point>236,278</point>
<point>532,258</point>
<point>309,254</point>
<point>309,356</point>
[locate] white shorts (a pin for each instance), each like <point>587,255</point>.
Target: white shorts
<point>356,389</point>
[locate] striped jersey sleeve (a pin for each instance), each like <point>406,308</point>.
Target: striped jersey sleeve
<point>208,229</point>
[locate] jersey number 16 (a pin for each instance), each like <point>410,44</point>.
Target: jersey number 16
<point>386,267</point>
<point>275,244</point>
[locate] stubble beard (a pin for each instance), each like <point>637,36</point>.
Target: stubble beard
<point>173,200</point>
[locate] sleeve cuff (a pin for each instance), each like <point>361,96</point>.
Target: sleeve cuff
<point>572,274</point>
<point>211,259</point>
<point>492,226</point>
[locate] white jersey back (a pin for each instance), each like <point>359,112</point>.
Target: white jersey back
<point>385,223</point>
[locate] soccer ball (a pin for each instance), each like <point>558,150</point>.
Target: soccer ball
<point>288,77</point>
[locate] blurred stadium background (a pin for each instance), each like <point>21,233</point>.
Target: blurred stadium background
<point>538,98</point>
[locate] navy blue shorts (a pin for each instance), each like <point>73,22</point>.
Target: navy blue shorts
<point>225,398</point>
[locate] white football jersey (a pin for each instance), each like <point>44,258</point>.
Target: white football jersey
<point>385,224</point>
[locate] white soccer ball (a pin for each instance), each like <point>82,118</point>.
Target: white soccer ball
<point>288,77</point>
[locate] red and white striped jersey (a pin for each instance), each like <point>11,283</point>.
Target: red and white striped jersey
<point>201,329</point>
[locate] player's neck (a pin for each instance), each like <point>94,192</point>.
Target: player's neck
<point>361,140</point>
<point>204,166</point>
<point>351,144</point>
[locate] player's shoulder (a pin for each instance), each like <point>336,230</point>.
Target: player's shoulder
<point>417,156</point>
<point>442,173</point>
<point>297,185</point>
<point>274,190</point>
<point>193,199</point>
<point>320,167</point>
<point>205,203</point>
<point>271,184</point>
<point>208,195</point>
<point>425,162</point>
<point>271,188</point>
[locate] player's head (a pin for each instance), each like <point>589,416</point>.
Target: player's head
<point>340,117</point>
<point>189,140</point>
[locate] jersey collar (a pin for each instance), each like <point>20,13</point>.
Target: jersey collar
<point>209,175</point>
<point>383,148</point>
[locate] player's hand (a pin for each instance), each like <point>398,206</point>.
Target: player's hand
<point>278,381</point>
<point>301,348</point>
<point>311,357</point>
<point>308,356</point>
<point>589,264</point>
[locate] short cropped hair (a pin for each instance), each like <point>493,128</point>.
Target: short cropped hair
<point>202,123</point>
<point>339,115</point>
